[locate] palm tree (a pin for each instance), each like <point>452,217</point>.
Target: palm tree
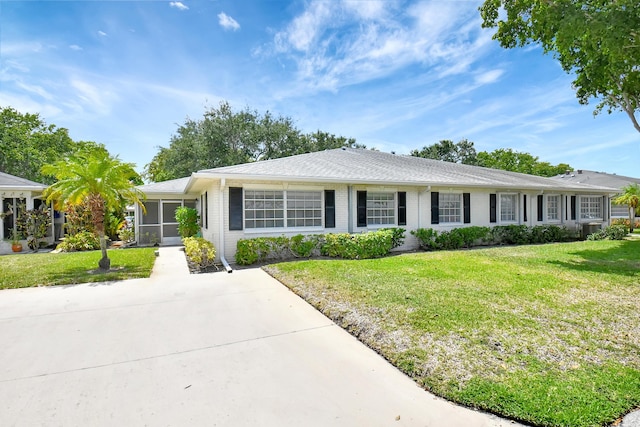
<point>630,197</point>
<point>94,177</point>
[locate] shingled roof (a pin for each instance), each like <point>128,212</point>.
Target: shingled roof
<point>359,166</point>
<point>597,178</point>
<point>12,182</point>
<point>175,186</point>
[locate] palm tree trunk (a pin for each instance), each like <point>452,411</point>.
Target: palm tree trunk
<point>105,262</point>
<point>632,218</point>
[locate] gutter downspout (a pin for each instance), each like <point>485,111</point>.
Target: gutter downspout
<point>221,228</point>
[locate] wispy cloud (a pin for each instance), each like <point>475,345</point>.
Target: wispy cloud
<point>102,34</point>
<point>179,5</point>
<point>75,47</point>
<point>337,44</point>
<point>227,22</point>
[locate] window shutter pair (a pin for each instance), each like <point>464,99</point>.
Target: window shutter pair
<point>362,208</point>
<point>435,207</point>
<point>236,215</point>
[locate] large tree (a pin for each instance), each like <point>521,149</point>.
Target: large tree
<point>225,137</point>
<point>98,179</point>
<point>446,150</point>
<point>631,197</point>
<point>598,41</point>
<point>515,161</point>
<point>27,143</point>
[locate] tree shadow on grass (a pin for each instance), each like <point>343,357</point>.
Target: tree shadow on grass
<point>622,260</point>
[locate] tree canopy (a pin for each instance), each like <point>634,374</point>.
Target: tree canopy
<point>27,143</point>
<point>446,150</point>
<point>225,137</point>
<point>503,158</point>
<point>596,40</point>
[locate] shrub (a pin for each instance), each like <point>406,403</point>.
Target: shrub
<point>338,245</point>
<point>126,235</point>
<point>82,241</point>
<point>426,238</point>
<point>199,251</point>
<point>550,233</point>
<point>612,232</point>
<point>626,222</point>
<point>187,219</point>
<point>511,235</point>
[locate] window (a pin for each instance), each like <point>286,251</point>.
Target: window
<point>591,207</point>
<point>449,207</point>
<point>304,209</point>
<point>263,209</point>
<point>553,208</point>
<point>275,208</point>
<point>508,207</point>
<point>380,208</point>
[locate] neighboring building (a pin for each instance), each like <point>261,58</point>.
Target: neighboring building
<point>15,191</point>
<point>602,179</point>
<point>356,190</point>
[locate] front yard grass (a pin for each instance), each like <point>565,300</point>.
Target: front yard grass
<point>46,269</point>
<point>548,334</point>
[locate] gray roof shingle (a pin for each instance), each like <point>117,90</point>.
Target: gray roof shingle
<point>597,178</point>
<point>7,180</point>
<point>174,186</point>
<point>373,167</point>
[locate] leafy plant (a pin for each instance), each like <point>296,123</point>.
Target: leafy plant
<point>35,223</point>
<point>188,220</point>
<point>426,238</point>
<point>82,241</point>
<point>612,232</point>
<point>199,251</point>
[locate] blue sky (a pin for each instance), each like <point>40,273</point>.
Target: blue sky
<point>395,75</point>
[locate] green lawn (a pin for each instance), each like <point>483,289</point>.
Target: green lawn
<point>547,334</point>
<point>46,269</point>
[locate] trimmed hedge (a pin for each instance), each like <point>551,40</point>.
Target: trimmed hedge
<point>373,244</point>
<point>467,237</point>
<point>82,241</point>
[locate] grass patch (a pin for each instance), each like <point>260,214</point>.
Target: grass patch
<point>47,269</point>
<point>548,334</point>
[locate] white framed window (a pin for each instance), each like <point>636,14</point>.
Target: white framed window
<point>508,207</point>
<point>304,209</point>
<point>381,208</point>
<point>263,209</point>
<point>591,207</point>
<point>282,209</point>
<point>553,208</point>
<point>450,207</point>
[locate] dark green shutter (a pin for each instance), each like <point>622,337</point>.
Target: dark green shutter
<point>540,207</point>
<point>235,208</point>
<point>573,207</point>
<point>329,209</point>
<point>402,208</point>
<point>362,208</point>
<point>524,207</point>
<point>493,207</point>
<point>466,207</point>
<point>435,207</point>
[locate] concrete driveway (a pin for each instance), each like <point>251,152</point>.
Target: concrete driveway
<point>196,350</point>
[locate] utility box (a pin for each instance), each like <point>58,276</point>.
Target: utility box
<point>590,228</point>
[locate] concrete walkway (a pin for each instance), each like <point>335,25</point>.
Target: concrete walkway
<point>197,350</point>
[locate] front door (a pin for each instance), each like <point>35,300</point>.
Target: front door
<point>170,235</point>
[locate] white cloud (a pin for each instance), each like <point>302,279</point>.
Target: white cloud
<point>102,33</point>
<point>178,5</point>
<point>75,47</point>
<point>337,44</point>
<point>227,22</point>
<point>489,77</point>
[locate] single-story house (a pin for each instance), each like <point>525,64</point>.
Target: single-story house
<point>356,190</point>
<point>15,191</point>
<point>602,179</point>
